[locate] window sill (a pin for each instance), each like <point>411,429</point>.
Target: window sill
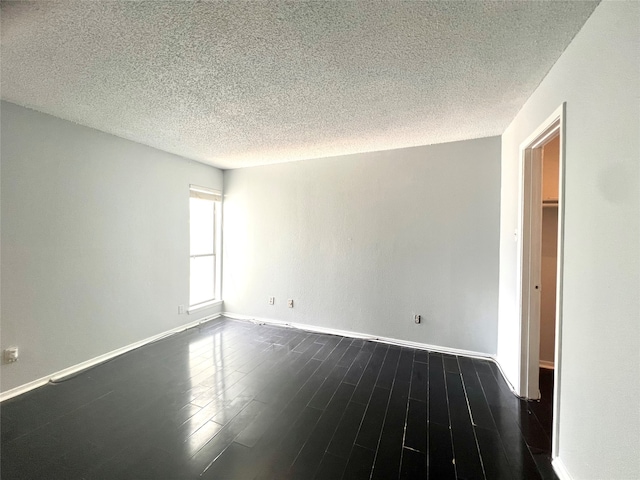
<point>196,308</point>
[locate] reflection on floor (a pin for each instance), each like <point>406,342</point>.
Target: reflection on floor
<point>242,401</point>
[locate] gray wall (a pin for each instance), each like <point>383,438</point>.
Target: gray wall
<point>599,78</point>
<point>94,242</point>
<point>362,242</point>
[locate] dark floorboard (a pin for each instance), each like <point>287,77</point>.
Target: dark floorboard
<point>235,400</point>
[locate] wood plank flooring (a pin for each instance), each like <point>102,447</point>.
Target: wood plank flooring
<point>236,400</point>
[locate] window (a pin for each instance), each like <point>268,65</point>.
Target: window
<point>204,234</point>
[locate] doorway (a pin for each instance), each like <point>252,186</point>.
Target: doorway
<point>549,255</point>
<point>540,276</point>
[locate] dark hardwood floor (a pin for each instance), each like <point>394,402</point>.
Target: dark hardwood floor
<point>244,401</point>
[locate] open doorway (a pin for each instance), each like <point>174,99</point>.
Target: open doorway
<point>540,246</point>
<point>549,253</point>
<point>548,279</point>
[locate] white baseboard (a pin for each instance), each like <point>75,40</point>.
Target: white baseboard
<point>14,392</point>
<point>392,341</point>
<point>506,379</point>
<point>99,359</point>
<point>348,333</point>
<point>311,328</point>
<point>560,469</point>
<point>547,365</point>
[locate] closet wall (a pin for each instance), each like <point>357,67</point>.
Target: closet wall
<point>550,164</point>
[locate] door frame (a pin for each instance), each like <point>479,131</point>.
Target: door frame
<point>530,250</point>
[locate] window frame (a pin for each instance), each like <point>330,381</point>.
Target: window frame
<point>215,196</point>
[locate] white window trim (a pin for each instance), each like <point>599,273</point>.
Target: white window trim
<point>216,197</point>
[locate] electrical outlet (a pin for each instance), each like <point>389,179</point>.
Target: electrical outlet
<point>11,355</point>
<point>417,318</point>
<point>290,303</point>
<point>180,309</point>
<point>272,300</point>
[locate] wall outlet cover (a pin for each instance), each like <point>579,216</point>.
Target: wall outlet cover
<point>290,303</point>
<point>11,354</point>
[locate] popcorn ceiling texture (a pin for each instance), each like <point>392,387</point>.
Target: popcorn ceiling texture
<point>239,84</point>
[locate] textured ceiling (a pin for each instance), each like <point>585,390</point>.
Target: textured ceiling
<point>238,84</point>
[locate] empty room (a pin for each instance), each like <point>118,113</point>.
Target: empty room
<point>320,240</point>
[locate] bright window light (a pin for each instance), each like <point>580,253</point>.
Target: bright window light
<point>204,206</point>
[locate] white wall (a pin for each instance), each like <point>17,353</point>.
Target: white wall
<point>363,242</point>
<point>95,252</point>
<point>599,78</point>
